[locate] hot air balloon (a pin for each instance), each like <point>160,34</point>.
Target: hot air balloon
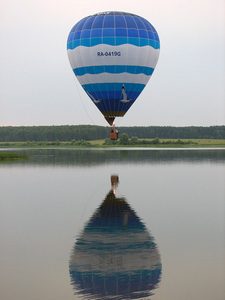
<point>115,257</point>
<point>113,55</point>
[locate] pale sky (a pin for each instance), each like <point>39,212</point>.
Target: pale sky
<point>38,87</point>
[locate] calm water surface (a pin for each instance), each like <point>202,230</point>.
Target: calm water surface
<point>113,224</point>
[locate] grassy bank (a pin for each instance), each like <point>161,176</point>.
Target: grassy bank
<point>159,143</point>
<point>9,156</point>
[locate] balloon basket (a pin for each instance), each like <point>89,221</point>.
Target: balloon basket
<point>113,136</point>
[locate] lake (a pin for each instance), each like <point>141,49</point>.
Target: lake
<point>113,224</point>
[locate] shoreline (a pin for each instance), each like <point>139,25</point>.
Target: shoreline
<point>144,143</point>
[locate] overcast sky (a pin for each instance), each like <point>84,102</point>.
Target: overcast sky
<point>38,87</point>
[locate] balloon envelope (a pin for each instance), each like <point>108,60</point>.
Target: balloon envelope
<point>113,55</point>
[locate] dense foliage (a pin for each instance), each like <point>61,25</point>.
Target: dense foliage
<point>92,132</point>
<point>124,140</point>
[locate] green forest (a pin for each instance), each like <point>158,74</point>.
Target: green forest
<point>92,132</point>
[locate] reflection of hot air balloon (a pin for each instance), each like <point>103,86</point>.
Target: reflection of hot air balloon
<point>115,257</point>
<point>113,55</point>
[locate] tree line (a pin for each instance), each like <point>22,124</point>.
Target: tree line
<point>124,140</point>
<point>93,132</point>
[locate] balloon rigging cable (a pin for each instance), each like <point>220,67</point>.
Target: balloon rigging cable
<point>83,104</point>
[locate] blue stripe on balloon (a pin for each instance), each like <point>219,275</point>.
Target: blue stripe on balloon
<point>113,70</point>
<point>114,105</point>
<point>95,87</point>
<point>144,34</point>
<point>108,32</point>
<point>113,41</point>
<point>121,32</point>
<point>85,34</point>
<point>112,95</point>
<point>96,33</point>
<point>118,32</point>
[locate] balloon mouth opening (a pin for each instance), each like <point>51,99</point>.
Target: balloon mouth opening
<point>110,120</point>
<point>111,115</point>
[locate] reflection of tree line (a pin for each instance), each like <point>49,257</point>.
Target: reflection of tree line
<point>92,157</point>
